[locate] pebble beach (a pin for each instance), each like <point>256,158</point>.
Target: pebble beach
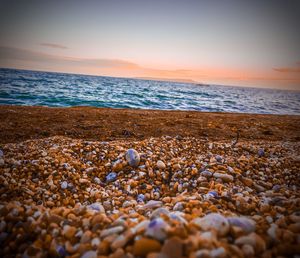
<point>176,193</point>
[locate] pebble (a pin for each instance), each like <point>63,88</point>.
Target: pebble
<point>69,231</point>
<point>218,253</point>
<point>97,180</point>
<point>158,212</point>
<point>253,240</point>
<point>246,224</point>
<point>141,198</point>
<point>90,254</point>
<point>160,165</point>
<point>213,221</point>
<point>111,177</point>
<point>95,242</point>
<point>152,204</point>
<point>132,157</point>
<point>248,250</point>
<point>218,158</point>
<point>225,177</point>
<point>206,173</point>
<point>261,152</point>
<point>64,185</point>
<point>173,248</point>
<point>110,231</point>
<point>178,206</point>
<point>96,206</point>
<point>143,246</point>
<point>157,229</point>
<point>187,207</point>
<point>203,253</point>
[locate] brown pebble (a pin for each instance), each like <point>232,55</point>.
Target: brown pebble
<point>69,231</point>
<point>143,246</point>
<point>173,248</point>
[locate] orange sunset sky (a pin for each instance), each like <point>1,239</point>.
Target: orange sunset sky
<point>253,43</point>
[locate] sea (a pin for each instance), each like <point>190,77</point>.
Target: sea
<point>35,88</point>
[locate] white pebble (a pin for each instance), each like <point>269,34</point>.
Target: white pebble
<point>64,185</point>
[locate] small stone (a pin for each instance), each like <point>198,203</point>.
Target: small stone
<point>89,254</point>
<point>225,177</point>
<point>152,204</point>
<point>143,246</point>
<point>254,240</point>
<point>294,227</point>
<point>247,225</point>
<point>203,253</point>
<point>160,165</point>
<point>218,253</point>
<point>261,152</point>
<point>178,206</point>
<point>218,158</point>
<point>248,251</point>
<point>86,237</point>
<point>83,181</point>
<point>211,194</point>
<point>61,251</point>
<point>69,231</point>
<point>111,177</point>
<point>206,173</point>
<point>213,221</point>
<point>119,242</point>
<point>95,242</point>
<point>97,180</point>
<point>178,216</point>
<point>158,212</point>
<point>96,206</point>
<point>173,248</point>
<point>141,198</point>
<point>247,181</point>
<point>259,188</point>
<point>64,185</point>
<point>141,226</point>
<point>157,229</point>
<point>295,218</point>
<point>110,231</point>
<point>117,166</point>
<point>132,157</point>
<point>276,188</point>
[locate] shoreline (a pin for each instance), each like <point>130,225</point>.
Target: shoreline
<point>21,123</point>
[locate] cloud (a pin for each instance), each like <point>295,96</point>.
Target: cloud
<point>17,54</point>
<point>52,45</point>
<point>295,69</point>
<point>26,59</point>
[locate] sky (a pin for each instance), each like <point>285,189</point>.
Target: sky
<point>246,43</point>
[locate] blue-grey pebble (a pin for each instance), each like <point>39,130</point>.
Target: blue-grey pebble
<point>132,157</point>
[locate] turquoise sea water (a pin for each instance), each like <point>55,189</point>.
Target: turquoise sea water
<point>18,87</point>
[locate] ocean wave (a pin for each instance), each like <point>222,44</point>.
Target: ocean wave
<point>54,89</point>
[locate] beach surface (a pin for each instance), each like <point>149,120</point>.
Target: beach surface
<point>94,182</point>
<point>19,123</point>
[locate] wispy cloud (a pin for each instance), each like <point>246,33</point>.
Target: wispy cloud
<point>287,70</point>
<point>295,69</point>
<point>52,45</point>
<point>17,54</point>
<point>25,59</point>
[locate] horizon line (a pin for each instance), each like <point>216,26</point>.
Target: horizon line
<point>196,83</point>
